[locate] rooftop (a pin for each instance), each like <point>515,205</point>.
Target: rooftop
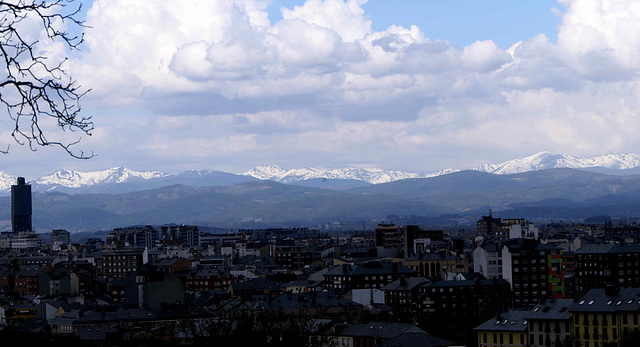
<point>512,320</point>
<point>608,300</point>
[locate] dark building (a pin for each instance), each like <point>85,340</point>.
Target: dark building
<point>402,296</point>
<point>394,241</point>
<point>188,235</point>
<point>118,263</point>
<point>569,266</point>
<point>533,270</point>
<point>413,233</point>
<point>489,226</point>
<point>21,206</point>
<point>385,334</point>
<point>209,279</point>
<point>292,254</point>
<point>153,289</point>
<point>373,274</point>
<point>389,240</point>
<point>85,271</point>
<point>467,302</point>
<point>599,265</point>
<point>60,236</point>
<point>144,236</point>
<point>148,236</point>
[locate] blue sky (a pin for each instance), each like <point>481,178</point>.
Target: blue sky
<point>418,86</point>
<point>461,22</point>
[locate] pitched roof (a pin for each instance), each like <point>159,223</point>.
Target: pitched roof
<point>468,283</point>
<point>512,320</point>
<point>370,268</point>
<point>552,309</point>
<point>406,284</point>
<point>609,300</point>
<point>415,339</point>
<point>608,248</point>
<point>383,330</point>
<point>94,317</point>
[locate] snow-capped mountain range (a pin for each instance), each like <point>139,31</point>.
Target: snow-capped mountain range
<point>538,161</point>
<point>76,179</point>
<point>120,175</point>
<point>373,176</point>
<point>546,160</point>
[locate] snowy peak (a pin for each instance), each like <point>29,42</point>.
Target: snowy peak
<point>374,176</point>
<point>538,161</point>
<point>7,180</point>
<point>77,179</point>
<point>546,160</point>
<point>623,161</point>
<point>114,179</point>
<point>266,172</point>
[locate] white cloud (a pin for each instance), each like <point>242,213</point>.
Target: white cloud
<point>345,18</point>
<point>601,38</point>
<point>321,85</point>
<point>483,56</point>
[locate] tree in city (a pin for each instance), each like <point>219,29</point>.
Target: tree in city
<point>244,326</point>
<point>34,88</point>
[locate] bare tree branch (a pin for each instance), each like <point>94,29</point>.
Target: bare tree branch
<point>32,88</point>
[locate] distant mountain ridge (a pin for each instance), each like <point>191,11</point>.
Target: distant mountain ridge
<point>76,179</point>
<point>459,198</point>
<point>373,176</point>
<point>538,161</point>
<point>546,160</point>
<point>120,179</point>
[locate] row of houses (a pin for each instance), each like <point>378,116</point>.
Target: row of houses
<point>602,317</point>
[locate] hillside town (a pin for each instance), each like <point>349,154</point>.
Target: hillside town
<point>509,283</point>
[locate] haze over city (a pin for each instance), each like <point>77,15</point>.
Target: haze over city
<point>417,86</point>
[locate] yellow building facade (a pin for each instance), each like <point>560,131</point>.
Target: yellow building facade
<point>604,316</point>
<point>507,329</point>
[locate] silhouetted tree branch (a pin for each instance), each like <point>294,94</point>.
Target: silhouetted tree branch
<point>32,88</point>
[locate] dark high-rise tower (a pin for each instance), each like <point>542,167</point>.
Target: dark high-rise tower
<point>21,206</point>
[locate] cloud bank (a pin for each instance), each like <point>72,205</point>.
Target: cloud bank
<point>217,84</point>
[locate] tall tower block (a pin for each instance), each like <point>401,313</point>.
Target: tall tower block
<point>21,206</point>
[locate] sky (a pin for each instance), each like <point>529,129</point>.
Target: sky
<point>411,85</point>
